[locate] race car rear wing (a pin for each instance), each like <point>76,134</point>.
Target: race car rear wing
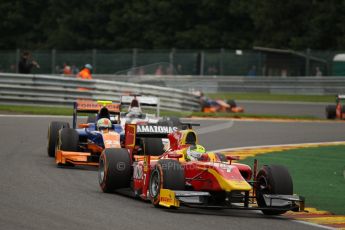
<point>144,101</point>
<point>89,106</point>
<point>134,131</point>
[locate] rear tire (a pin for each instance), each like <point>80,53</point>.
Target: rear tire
<point>232,103</point>
<point>53,133</point>
<point>168,174</point>
<point>331,111</point>
<point>153,146</point>
<point>273,179</point>
<point>114,171</point>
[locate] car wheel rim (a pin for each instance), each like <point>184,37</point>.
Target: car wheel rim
<point>155,184</point>
<point>263,184</point>
<point>101,171</point>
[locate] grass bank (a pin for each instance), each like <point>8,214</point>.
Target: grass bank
<point>318,174</point>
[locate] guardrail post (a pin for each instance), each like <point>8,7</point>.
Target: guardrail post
<point>94,60</point>
<point>134,57</point>
<point>53,60</point>
<point>171,58</point>
<point>158,107</point>
<point>221,62</point>
<point>202,60</point>
<point>17,59</point>
<point>307,62</point>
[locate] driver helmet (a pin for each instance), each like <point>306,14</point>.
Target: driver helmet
<point>103,113</point>
<point>194,152</point>
<point>134,112</point>
<point>104,123</point>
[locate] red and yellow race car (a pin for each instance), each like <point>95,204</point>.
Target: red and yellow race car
<point>200,179</point>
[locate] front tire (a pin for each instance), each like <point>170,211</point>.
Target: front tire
<point>68,140</point>
<point>331,111</point>
<point>114,171</point>
<point>53,133</point>
<point>168,174</point>
<point>273,179</point>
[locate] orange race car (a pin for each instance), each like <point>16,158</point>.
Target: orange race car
<point>217,105</point>
<point>83,145</point>
<point>209,105</point>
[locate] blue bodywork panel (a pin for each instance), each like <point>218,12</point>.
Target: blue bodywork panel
<point>91,133</point>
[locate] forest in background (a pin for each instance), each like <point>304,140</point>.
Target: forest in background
<point>182,24</point>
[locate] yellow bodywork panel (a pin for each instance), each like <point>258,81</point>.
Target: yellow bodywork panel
<point>185,134</point>
<point>230,185</point>
<point>168,199</point>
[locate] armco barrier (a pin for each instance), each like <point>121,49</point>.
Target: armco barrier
<point>60,90</point>
<point>279,85</point>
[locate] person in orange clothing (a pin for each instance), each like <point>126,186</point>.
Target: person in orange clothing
<point>85,73</point>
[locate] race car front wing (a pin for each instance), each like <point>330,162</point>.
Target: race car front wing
<point>199,199</point>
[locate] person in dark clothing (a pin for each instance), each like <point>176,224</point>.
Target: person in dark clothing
<point>26,63</point>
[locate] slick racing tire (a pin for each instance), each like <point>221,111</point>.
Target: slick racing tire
<point>153,146</point>
<point>273,179</point>
<point>53,132</point>
<point>232,103</point>
<point>168,174</point>
<point>114,171</point>
<point>68,140</point>
<point>331,111</point>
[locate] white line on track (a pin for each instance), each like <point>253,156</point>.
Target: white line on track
<point>312,224</point>
<point>213,128</point>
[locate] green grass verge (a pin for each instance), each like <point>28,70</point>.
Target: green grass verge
<point>272,97</point>
<point>318,174</point>
<point>38,110</point>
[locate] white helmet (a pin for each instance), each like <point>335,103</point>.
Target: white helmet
<point>104,123</point>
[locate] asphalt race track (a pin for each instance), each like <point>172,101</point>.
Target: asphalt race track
<point>285,108</point>
<point>35,194</point>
